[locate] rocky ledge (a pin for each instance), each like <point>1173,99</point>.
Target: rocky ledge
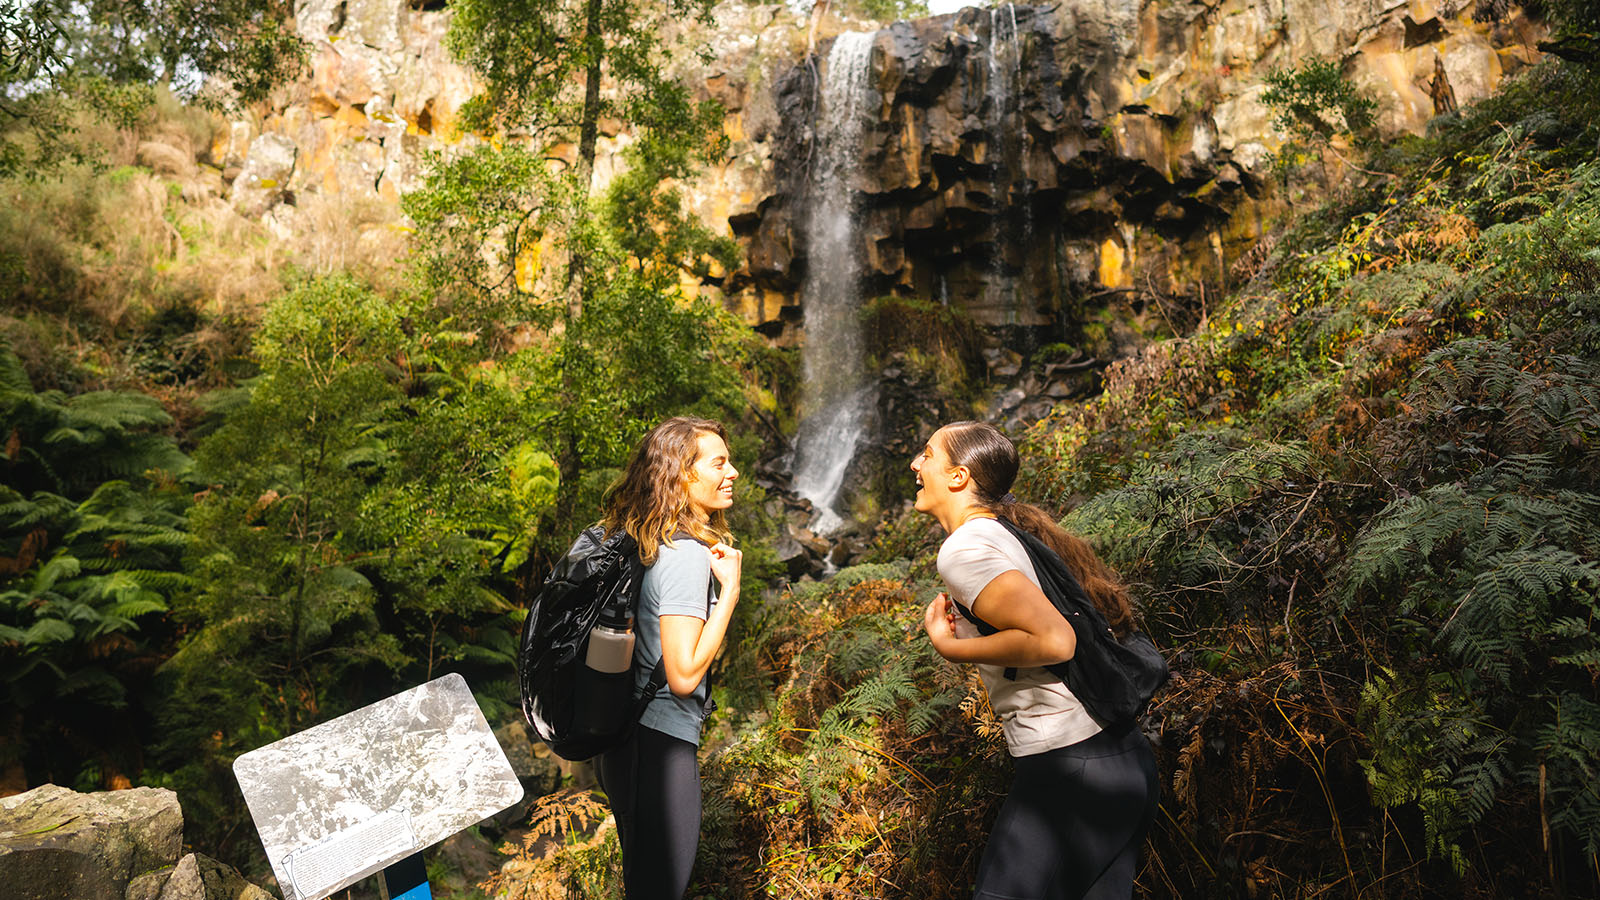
<point>58,844</point>
<point>1020,161</point>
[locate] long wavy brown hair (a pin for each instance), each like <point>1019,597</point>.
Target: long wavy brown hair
<point>650,501</point>
<point>993,461</point>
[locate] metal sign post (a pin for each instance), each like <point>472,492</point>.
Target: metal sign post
<point>405,880</point>
<point>365,793</point>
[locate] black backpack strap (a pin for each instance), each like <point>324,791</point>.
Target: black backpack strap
<point>658,678</point>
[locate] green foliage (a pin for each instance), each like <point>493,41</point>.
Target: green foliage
<point>1477,403</point>
<point>538,58</point>
<point>1203,522</point>
<point>115,277</point>
<point>29,41</point>
<point>479,215</point>
<point>66,64</point>
<point>250,46</point>
<point>932,339</point>
<point>270,550</point>
<point>342,545</point>
<point>1375,473</point>
<point>600,373</point>
<point>1500,576</point>
<point>849,768</point>
<point>91,542</point>
<point>884,10</point>
<point>1576,34</point>
<point>1314,101</point>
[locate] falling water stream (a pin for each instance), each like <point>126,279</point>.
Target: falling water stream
<point>1002,89</point>
<point>836,398</point>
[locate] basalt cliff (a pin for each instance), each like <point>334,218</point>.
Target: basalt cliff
<point>1015,161</point>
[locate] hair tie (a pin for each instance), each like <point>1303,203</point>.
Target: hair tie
<point>1009,498</point>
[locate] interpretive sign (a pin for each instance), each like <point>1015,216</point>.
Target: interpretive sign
<point>344,799</point>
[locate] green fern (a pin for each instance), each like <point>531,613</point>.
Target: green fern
<point>1503,570</point>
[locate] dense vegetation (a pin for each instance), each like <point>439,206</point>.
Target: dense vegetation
<point>1361,509</point>
<point>247,489</point>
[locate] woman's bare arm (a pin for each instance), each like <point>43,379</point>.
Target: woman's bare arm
<point>690,644</point>
<point>1032,632</point>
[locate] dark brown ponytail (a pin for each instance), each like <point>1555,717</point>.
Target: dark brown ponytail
<point>992,459</point>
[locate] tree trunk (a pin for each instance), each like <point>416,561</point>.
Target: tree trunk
<point>588,136</point>
<point>567,458</point>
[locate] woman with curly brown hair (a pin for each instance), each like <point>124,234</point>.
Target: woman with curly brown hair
<point>1083,795</point>
<point>671,499</point>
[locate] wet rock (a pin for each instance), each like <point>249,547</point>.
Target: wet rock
<point>847,551</point>
<point>813,543</point>
<point>1004,363</point>
<point>1077,125</point>
<point>1008,401</point>
<point>793,554</point>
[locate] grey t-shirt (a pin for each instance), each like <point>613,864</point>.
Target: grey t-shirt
<point>679,583</point>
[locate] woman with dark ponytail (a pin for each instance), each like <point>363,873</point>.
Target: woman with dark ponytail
<point>1082,796</point>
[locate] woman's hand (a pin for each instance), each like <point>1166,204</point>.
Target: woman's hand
<point>726,564</point>
<point>939,622</point>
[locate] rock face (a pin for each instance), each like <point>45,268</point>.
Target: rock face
<point>1025,159</point>
<point>57,844</point>
<point>1022,165</point>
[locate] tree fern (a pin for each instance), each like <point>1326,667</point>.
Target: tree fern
<point>1503,568</point>
<point>94,564</point>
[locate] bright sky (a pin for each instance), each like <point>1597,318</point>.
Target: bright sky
<point>939,7</point>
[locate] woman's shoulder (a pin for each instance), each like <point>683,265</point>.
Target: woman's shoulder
<point>683,550</point>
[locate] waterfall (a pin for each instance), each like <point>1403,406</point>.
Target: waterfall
<point>835,399</point>
<point>1001,90</point>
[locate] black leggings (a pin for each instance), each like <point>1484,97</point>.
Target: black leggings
<point>653,785</point>
<point>1073,823</point>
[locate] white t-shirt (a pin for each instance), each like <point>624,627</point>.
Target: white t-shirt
<point>1036,709</point>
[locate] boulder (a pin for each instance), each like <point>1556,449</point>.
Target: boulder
<point>57,844</point>
<point>539,772</point>
<point>198,877</point>
<point>265,175</point>
<point>148,886</point>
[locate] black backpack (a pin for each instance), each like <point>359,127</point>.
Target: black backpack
<point>577,711</point>
<point>1113,678</point>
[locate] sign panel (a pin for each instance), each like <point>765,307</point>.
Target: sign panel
<point>344,799</point>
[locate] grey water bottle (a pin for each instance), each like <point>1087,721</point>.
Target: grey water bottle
<point>610,649</point>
